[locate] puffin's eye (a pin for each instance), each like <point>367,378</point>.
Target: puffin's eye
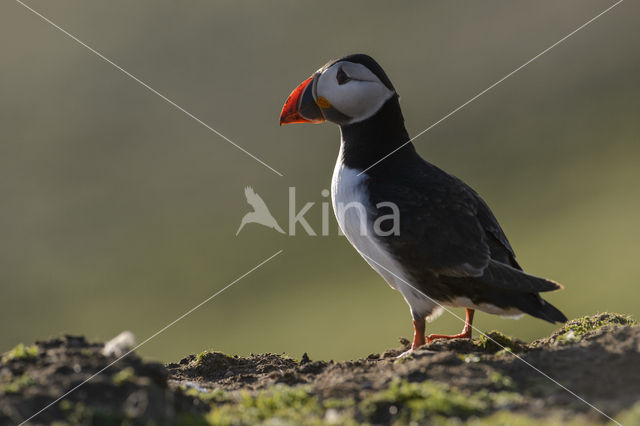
<point>342,77</point>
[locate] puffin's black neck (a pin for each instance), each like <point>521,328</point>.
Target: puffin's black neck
<point>366,142</point>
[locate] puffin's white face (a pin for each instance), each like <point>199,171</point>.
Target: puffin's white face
<point>344,91</point>
<point>352,90</point>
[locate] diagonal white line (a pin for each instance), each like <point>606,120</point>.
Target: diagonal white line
<point>493,85</point>
<point>153,335</point>
<point>146,86</point>
<point>497,343</point>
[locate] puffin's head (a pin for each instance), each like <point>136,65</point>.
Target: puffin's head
<point>344,91</point>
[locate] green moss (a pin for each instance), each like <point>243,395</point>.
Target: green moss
<point>205,356</point>
<point>74,413</point>
<point>190,419</point>
<point>293,405</point>
<point>283,405</point>
<point>540,387</point>
<point>504,352</point>
<point>17,384</point>
<point>21,352</point>
<point>339,403</point>
<point>407,401</point>
<point>506,418</point>
<point>575,330</point>
<point>630,416</point>
<point>501,381</point>
<point>123,376</point>
<point>201,356</point>
<point>469,358</point>
<point>217,396</point>
<point>402,402</point>
<point>503,400</point>
<point>495,341</point>
<point>79,413</point>
<point>86,352</point>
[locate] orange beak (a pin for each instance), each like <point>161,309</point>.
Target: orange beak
<point>301,107</point>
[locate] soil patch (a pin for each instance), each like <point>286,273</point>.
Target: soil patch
<point>483,381</point>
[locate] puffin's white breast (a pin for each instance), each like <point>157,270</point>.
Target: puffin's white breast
<point>350,204</point>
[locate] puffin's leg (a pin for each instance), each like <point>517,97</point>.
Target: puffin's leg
<point>418,333</point>
<point>466,331</point>
<point>418,336</point>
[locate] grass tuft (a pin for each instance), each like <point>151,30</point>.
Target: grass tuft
<point>17,384</point>
<point>495,341</point>
<point>284,404</point>
<point>123,376</point>
<point>417,402</point>
<point>21,352</point>
<point>576,330</point>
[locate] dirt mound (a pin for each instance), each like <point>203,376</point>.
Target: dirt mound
<point>31,377</point>
<point>483,381</point>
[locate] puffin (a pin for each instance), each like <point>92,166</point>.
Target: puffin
<point>444,248</point>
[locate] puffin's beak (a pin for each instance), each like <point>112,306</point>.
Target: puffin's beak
<point>301,107</point>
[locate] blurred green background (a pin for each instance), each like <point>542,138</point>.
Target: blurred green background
<point>120,212</point>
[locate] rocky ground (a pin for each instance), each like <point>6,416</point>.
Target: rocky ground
<point>482,382</point>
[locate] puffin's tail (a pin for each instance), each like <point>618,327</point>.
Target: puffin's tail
<point>536,306</point>
<point>519,289</point>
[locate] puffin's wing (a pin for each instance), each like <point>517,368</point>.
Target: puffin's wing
<point>501,270</point>
<point>501,249</point>
<point>439,229</point>
<point>446,228</point>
